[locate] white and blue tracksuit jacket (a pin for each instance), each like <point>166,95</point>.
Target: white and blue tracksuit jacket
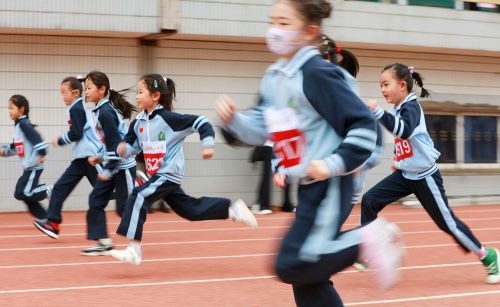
<point>82,131</point>
<point>173,128</point>
<point>28,144</point>
<point>407,122</point>
<point>337,125</point>
<point>111,129</point>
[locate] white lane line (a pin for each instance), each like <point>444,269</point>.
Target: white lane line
<point>143,244</point>
<point>424,298</point>
<point>290,217</point>
<point>154,231</point>
<point>145,260</point>
<point>162,283</point>
<point>230,229</point>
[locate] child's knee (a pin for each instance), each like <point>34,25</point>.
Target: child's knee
<point>286,272</point>
<point>19,195</point>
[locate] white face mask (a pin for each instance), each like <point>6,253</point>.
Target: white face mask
<point>281,41</point>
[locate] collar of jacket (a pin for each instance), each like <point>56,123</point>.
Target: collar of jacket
<point>144,114</point>
<point>100,104</point>
<point>292,66</point>
<point>411,96</point>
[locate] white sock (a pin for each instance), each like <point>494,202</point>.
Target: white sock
<point>136,245</point>
<point>106,241</point>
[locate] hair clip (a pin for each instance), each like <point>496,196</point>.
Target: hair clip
<point>155,83</point>
<point>165,79</point>
<point>339,49</point>
<point>411,69</point>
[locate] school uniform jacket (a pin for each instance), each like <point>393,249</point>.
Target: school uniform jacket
<point>111,130</point>
<point>415,154</point>
<point>28,144</point>
<point>82,131</point>
<point>337,126</point>
<point>173,128</point>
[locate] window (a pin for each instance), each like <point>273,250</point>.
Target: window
<point>480,134</point>
<point>443,132</point>
<point>437,3</point>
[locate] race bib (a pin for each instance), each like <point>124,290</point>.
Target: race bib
<point>18,143</point>
<point>289,141</point>
<point>403,149</point>
<point>153,155</point>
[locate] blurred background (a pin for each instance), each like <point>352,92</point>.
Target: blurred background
<point>217,47</point>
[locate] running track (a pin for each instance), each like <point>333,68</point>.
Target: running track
<point>220,263</point>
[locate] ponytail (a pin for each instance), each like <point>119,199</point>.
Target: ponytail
<point>117,98</point>
<point>402,72</point>
<point>163,85</point>
<point>330,51</point>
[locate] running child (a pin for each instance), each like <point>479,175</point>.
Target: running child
<point>30,147</point>
<point>415,165</point>
<point>159,133</point>
<point>349,65</point>
<point>323,132</point>
<point>117,174</point>
<point>82,133</point>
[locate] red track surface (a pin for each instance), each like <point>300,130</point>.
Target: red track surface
<point>219,263</point>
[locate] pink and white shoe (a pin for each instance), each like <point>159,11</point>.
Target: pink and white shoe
<point>382,250</point>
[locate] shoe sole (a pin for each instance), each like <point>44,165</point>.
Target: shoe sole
<point>45,231</point>
<point>92,254</point>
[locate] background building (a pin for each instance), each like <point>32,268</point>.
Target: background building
<point>217,47</point>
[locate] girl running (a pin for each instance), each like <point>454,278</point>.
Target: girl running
<point>349,65</point>
<point>322,132</point>
<point>86,143</point>
<point>159,133</point>
<point>30,147</point>
<point>415,163</point>
<point>117,174</point>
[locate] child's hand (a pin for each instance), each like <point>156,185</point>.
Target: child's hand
<point>93,161</point>
<point>318,170</point>
<point>101,177</point>
<point>55,142</point>
<point>372,105</point>
<point>225,109</point>
<point>1,151</point>
<point>207,153</point>
<point>121,150</point>
<point>279,180</point>
<point>41,159</point>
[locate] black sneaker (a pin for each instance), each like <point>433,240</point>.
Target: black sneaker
<point>47,227</point>
<point>100,249</point>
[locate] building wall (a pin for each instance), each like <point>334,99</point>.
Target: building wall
<point>35,65</point>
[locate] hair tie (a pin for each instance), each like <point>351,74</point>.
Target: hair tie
<point>155,83</point>
<point>165,79</point>
<point>411,69</point>
<point>339,49</point>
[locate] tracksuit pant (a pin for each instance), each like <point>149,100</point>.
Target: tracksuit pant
<point>314,248</point>
<point>122,183</point>
<point>430,192</point>
<point>78,169</point>
<point>31,193</point>
<point>158,187</point>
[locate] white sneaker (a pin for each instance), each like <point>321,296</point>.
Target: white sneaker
<point>241,213</point>
<point>382,247</point>
<point>265,212</point>
<point>126,255</point>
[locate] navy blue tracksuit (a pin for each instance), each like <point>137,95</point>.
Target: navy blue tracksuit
<point>416,172</point>
<point>86,144</point>
<point>167,169</point>
<point>29,146</point>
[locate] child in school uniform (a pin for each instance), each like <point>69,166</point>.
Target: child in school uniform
<point>117,174</point>
<point>82,134</point>
<point>31,149</point>
<point>349,66</point>
<point>415,165</point>
<point>322,132</point>
<point>159,133</point>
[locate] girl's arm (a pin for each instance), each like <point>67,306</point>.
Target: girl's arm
<point>130,145</point>
<point>33,137</point>
<point>8,150</point>
<point>403,127</point>
<point>109,123</point>
<point>78,120</point>
<point>330,96</point>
